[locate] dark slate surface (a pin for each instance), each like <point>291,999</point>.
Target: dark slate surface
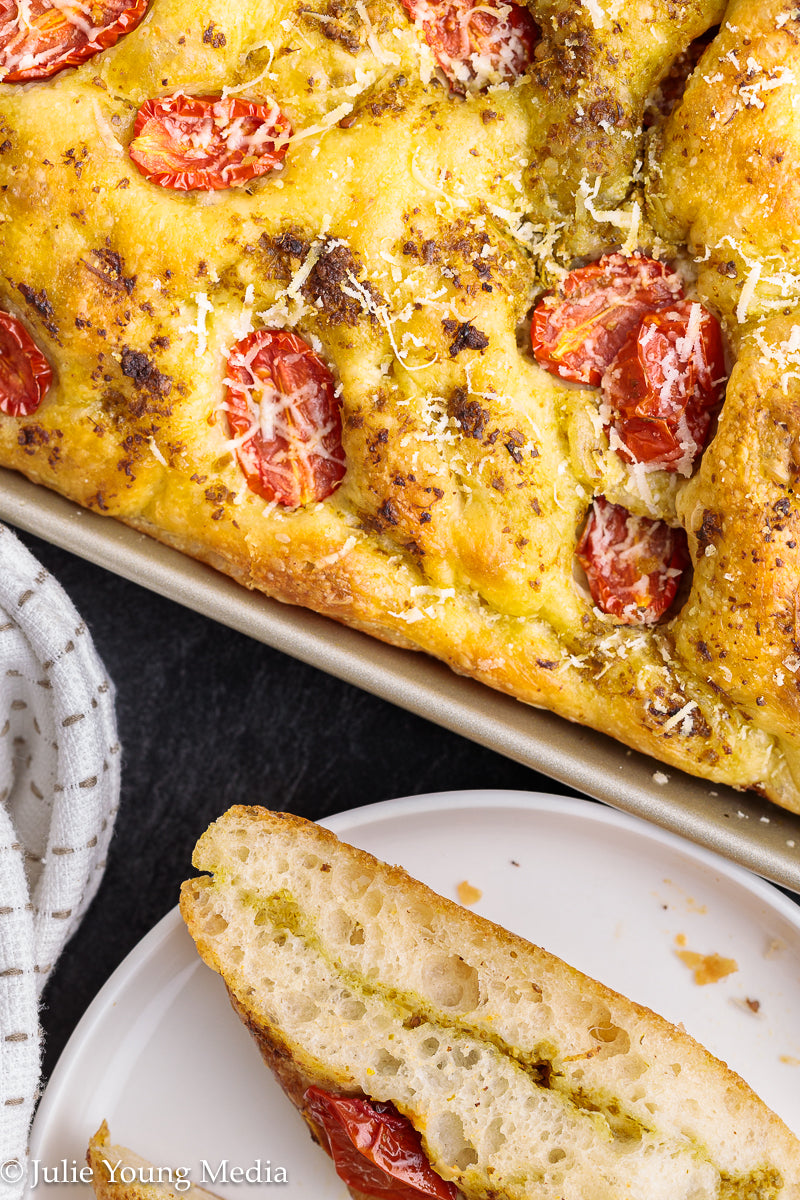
<point>208,718</point>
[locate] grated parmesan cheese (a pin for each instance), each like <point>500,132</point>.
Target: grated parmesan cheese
<point>107,137</point>
<point>680,718</point>
<point>251,84</point>
<point>204,307</point>
<point>156,452</point>
<point>748,292</point>
<point>329,559</point>
<point>328,121</point>
<point>621,218</point>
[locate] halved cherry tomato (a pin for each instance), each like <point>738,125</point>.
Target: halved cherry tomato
<point>664,383</point>
<point>633,564</point>
<point>471,39</point>
<point>374,1149</point>
<point>578,333</point>
<point>39,37</point>
<point>25,373</point>
<point>283,412</point>
<point>207,142</point>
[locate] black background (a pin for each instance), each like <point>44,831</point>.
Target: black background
<point>208,718</point>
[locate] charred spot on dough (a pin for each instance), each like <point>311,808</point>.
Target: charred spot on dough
<point>98,501</point>
<point>277,253</point>
<point>121,407</point>
<point>334,284</point>
<point>516,441</point>
<point>218,496</point>
<point>468,414</point>
<point>388,512</point>
<point>710,529</point>
<point>467,337</point>
<point>374,446</point>
<point>109,267</point>
<point>76,158</point>
<point>339,24</point>
<point>330,284</point>
<point>33,437</point>
<point>214,37</point>
<point>134,447</point>
<point>41,304</point>
<point>703,651</point>
<point>144,373</point>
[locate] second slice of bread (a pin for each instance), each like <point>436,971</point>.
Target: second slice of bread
<point>524,1077</point>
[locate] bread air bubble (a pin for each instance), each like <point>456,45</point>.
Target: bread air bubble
<point>386,1063</point>
<point>351,1009</point>
<point>451,983</point>
<point>616,1040</point>
<point>301,1008</point>
<point>449,1131</point>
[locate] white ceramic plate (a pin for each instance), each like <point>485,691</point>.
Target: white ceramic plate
<point>161,1056</point>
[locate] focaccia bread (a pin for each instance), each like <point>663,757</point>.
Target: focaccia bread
<point>525,1079</point>
<point>417,206</point>
<point>120,1174</point>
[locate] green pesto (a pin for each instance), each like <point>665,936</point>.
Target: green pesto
<point>284,913</point>
<point>763,1184</point>
<point>412,1010</point>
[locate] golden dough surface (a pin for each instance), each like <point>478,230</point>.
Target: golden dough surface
<point>406,239</point>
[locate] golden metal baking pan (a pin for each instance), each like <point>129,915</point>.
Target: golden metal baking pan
<point>739,825</point>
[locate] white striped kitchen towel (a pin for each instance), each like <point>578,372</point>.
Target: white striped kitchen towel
<point>59,791</point>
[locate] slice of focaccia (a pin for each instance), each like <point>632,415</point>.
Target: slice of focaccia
<point>120,1174</point>
<point>522,1077</point>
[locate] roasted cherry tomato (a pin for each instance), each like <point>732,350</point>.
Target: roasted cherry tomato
<point>283,412</point>
<point>578,333</point>
<point>374,1149</point>
<point>207,142</point>
<point>473,40</point>
<point>664,383</point>
<point>40,37</point>
<point>633,564</point>
<point>25,373</point>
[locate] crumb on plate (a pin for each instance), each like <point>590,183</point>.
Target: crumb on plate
<point>467,894</point>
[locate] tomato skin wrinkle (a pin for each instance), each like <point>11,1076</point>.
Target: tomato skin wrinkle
<point>290,437</point>
<point>663,385</point>
<point>48,41</point>
<point>578,333</point>
<point>206,142</point>
<point>457,30</point>
<point>374,1148</point>
<point>25,374</point>
<point>633,564</point>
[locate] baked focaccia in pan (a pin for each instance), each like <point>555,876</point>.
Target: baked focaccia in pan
<point>469,325</point>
